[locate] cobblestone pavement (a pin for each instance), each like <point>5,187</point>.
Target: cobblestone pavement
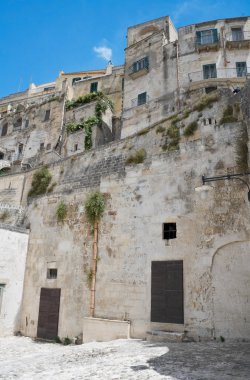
<point>22,358</point>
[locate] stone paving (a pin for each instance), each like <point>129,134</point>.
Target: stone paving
<point>22,358</point>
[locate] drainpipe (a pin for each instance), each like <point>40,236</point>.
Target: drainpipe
<point>94,267</point>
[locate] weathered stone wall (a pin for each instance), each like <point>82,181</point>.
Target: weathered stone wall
<point>166,187</point>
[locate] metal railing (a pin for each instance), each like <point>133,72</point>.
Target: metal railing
<point>223,73</point>
<point>238,36</point>
<point>207,40</point>
<point>135,103</point>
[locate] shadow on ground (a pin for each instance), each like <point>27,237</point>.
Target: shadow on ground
<point>203,361</point>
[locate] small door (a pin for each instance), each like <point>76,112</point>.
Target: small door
<point>48,313</point>
<point>167,292</point>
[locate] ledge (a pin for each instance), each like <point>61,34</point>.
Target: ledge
<point>104,330</point>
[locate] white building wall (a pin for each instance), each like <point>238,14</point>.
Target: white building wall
<point>13,248</point>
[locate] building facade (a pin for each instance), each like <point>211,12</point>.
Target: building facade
<point>172,253</point>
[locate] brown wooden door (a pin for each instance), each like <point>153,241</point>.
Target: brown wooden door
<point>47,327</point>
<point>167,292</point>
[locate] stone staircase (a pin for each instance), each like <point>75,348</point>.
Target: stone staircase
<point>161,336</point>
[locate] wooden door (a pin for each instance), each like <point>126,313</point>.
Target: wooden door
<point>47,327</point>
<point>167,292</point>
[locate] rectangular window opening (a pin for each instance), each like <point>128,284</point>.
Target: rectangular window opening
<point>41,146</point>
<point>142,98</point>
<point>237,34</point>
<point>5,129</point>
<point>209,36</point>
<point>209,71</point>
<point>76,147</point>
<point>241,69</point>
<point>93,86</point>
<point>140,65</point>
<point>51,273</point>
<point>169,231</point>
<point>47,115</point>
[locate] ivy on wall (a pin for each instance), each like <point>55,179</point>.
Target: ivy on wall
<point>103,103</point>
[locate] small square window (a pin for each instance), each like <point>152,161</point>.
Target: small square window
<point>51,273</point>
<point>48,146</point>
<point>41,146</point>
<point>93,87</point>
<point>47,115</point>
<point>142,98</point>
<point>169,231</point>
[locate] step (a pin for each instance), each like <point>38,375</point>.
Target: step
<point>162,336</point>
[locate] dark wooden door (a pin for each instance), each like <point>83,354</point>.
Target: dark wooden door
<point>167,292</point>
<point>47,327</point>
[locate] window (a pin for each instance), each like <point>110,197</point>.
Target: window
<point>76,80</point>
<point>169,231</point>
<point>237,34</point>
<point>41,146</point>
<point>75,147</point>
<point>26,123</point>
<point>204,37</point>
<point>52,273</point>
<point>48,147</point>
<point>209,71</point>
<point>20,148</point>
<point>142,98</point>
<point>93,86</point>
<point>4,129</point>
<point>2,287</point>
<point>47,115</point>
<point>241,69</point>
<point>1,156</point>
<point>140,65</point>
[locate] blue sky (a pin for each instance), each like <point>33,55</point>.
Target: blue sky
<point>38,38</point>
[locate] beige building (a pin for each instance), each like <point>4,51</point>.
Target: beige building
<point>172,251</point>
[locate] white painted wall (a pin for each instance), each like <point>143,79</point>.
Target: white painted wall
<point>13,249</point>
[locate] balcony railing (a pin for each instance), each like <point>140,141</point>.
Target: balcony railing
<point>136,103</point>
<point>238,36</point>
<point>224,73</point>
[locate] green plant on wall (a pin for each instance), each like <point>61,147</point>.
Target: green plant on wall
<point>242,150</point>
<point>172,138</point>
<point>228,116</point>
<point>137,158</point>
<point>94,209</point>
<point>40,182</point>
<point>61,211</point>
<point>103,103</point>
<point>190,129</point>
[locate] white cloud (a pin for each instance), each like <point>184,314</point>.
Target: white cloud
<point>103,52</point>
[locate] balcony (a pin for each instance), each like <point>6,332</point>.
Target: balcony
<point>207,40</point>
<point>139,68</point>
<point>224,77</point>
<point>238,40</point>
<point>5,164</point>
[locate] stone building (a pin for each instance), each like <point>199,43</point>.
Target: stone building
<point>172,252</point>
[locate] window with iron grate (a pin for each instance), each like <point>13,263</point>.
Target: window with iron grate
<point>169,231</point>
